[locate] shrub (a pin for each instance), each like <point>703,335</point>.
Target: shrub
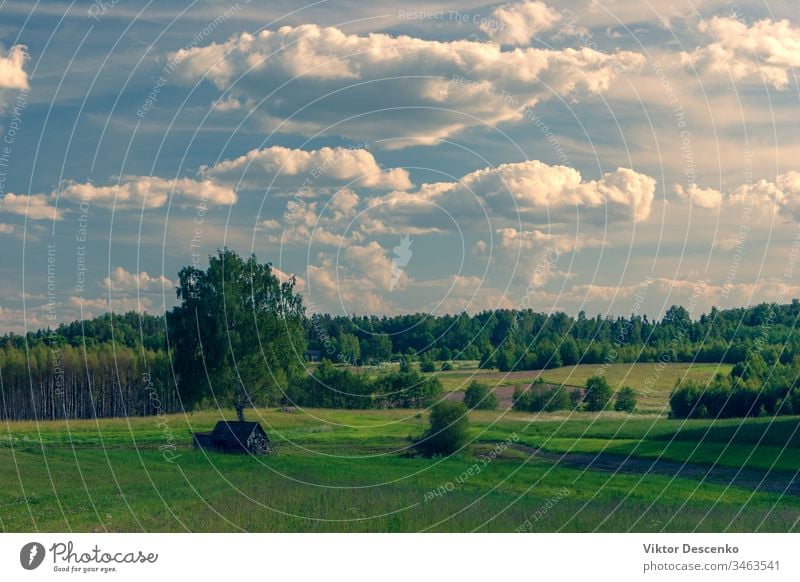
<point>625,400</point>
<point>427,365</point>
<point>405,363</point>
<point>556,398</point>
<point>506,359</point>
<point>520,400</point>
<point>598,394</point>
<point>542,400</point>
<point>447,366</point>
<point>576,398</point>
<point>559,398</point>
<point>408,389</point>
<point>479,397</point>
<point>487,361</point>
<point>448,431</point>
<point>684,399</point>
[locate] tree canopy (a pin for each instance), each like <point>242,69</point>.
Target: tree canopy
<point>237,335</point>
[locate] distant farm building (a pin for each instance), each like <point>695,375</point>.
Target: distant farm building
<point>235,437</point>
<point>313,355</point>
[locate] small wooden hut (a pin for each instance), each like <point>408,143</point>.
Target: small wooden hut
<point>235,437</point>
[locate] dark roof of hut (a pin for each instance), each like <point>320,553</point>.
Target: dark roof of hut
<point>234,431</point>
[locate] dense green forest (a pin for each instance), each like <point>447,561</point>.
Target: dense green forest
<point>528,340</point>
<point>243,348</point>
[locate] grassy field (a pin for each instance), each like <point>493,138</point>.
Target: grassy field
<point>350,471</point>
<point>652,382</point>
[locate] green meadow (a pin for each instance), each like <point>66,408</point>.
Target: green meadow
<point>652,381</point>
<point>340,470</point>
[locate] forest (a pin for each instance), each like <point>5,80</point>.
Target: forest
<point>257,354</point>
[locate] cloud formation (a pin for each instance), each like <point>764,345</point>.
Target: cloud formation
<point>34,206</point>
<point>782,195</point>
<point>263,166</point>
<point>766,49</point>
<point>137,192</point>
<point>308,78</point>
<point>533,189</point>
<point>122,281</point>
<point>12,68</point>
<point>702,197</point>
<point>518,22</point>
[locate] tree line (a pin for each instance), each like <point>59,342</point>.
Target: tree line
<point>240,337</point>
<point>528,340</point>
<point>753,388</point>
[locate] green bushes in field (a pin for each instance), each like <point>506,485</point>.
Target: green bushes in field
<point>448,431</point>
<point>479,396</point>
<point>751,389</point>
<point>427,365</point>
<point>598,394</point>
<point>596,397</point>
<point>539,398</point>
<point>625,400</point>
<point>331,387</point>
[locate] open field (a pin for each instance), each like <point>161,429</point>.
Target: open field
<point>349,471</point>
<point>652,382</point>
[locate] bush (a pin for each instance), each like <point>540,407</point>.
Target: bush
<point>625,400</point>
<point>598,394</point>
<point>448,432</point>
<point>447,366</point>
<point>556,398</point>
<point>332,387</point>
<point>408,389</point>
<point>576,398</point>
<point>479,397</point>
<point>427,365</point>
<point>520,400</point>
<point>684,399</point>
<point>542,400</point>
<point>405,363</point>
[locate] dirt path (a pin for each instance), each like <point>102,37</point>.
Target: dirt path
<point>753,479</point>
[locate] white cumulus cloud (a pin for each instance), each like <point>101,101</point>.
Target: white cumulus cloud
<point>34,206</point>
<point>535,189</point>
<point>379,86</point>
<point>136,192</point>
<point>518,22</point>
<point>702,197</point>
<point>781,195</point>
<point>314,167</point>
<point>12,68</point>
<point>123,281</point>
<point>767,49</point>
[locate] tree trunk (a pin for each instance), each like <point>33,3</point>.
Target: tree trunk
<point>239,412</point>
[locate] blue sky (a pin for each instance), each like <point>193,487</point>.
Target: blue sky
<point>551,155</point>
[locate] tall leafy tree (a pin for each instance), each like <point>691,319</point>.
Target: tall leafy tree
<point>598,393</point>
<point>238,334</point>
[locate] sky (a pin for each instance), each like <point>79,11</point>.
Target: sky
<point>615,157</point>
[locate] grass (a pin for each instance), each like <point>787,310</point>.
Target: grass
<point>339,470</point>
<point>652,382</point>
